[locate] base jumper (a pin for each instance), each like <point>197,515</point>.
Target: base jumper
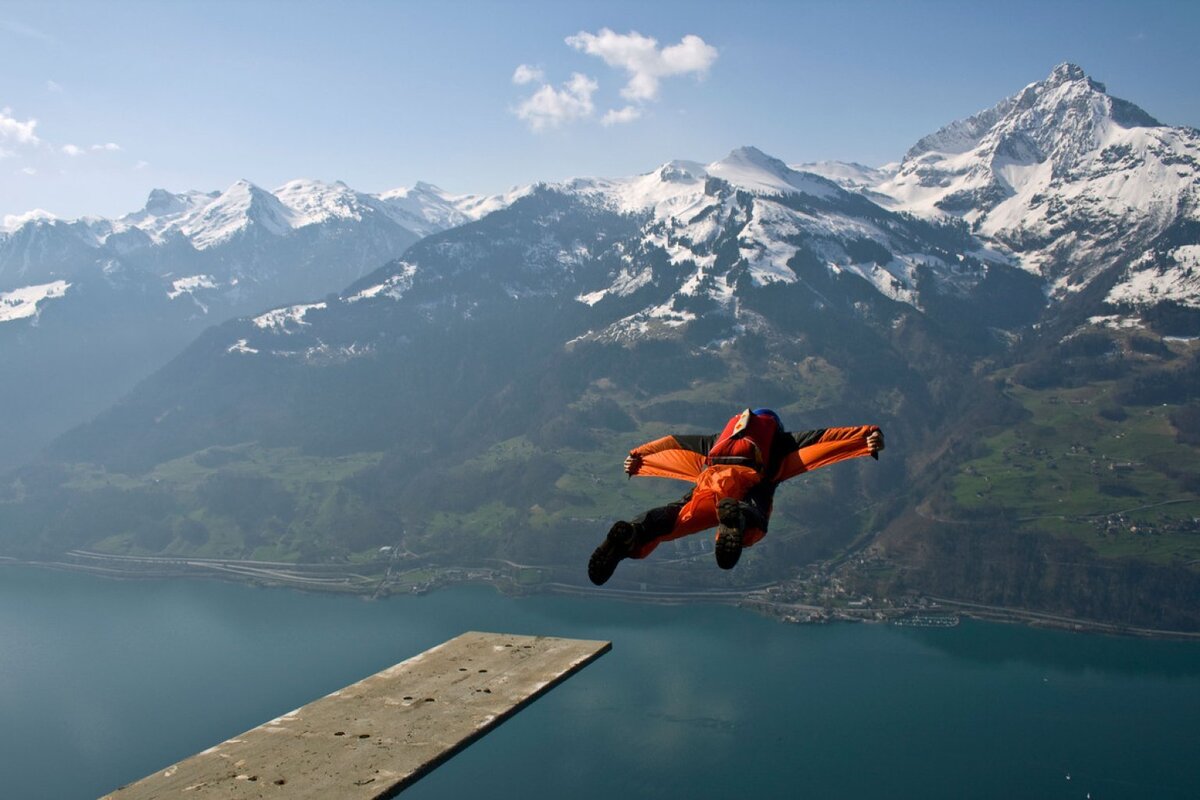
<point>734,475</point>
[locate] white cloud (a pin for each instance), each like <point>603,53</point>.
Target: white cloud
<point>54,86</point>
<point>526,74</point>
<point>620,116</point>
<point>75,151</point>
<point>13,130</point>
<point>640,57</point>
<point>549,107</point>
<point>24,133</point>
<point>29,170</point>
<point>141,165</point>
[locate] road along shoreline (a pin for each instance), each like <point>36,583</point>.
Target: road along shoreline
<point>376,579</point>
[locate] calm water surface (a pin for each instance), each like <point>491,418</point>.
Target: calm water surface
<point>102,682</point>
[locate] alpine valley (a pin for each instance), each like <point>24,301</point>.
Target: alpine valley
<point>1016,302</point>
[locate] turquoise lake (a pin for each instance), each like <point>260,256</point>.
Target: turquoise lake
<point>103,681</point>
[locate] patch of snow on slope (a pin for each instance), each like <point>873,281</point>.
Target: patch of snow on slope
<point>1115,322</point>
<point>190,284</point>
<point>626,283</point>
<point>917,190</point>
<point>893,280</point>
<point>280,319</point>
<point>1023,210</point>
<point>668,315</point>
<point>762,244</point>
<point>1150,284</point>
<point>677,249</point>
<point>23,303</point>
<point>639,325</point>
<point>394,287</point>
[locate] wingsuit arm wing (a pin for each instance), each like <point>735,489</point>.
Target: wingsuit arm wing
<point>825,446</point>
<point>678,457</point>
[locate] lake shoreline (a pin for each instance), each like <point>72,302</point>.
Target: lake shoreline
<point>342,580</point>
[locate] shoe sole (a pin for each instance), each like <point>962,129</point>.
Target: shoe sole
<point>612,550</point>
<point>728,548</point>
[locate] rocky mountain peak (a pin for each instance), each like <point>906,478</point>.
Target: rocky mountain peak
<point>1065,176</point>
<point>1067,72</point>
<point>1061,116</point>
<point>161,201</point>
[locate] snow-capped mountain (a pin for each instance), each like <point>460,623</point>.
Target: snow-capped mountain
<point>1071,181</point>
<point>240,208</point>
<point>23,303</point>
<point>750,217</point>
<point>425,209</point>
<point>223,226</point>
<point>687,245</point>
<point>90,306</point>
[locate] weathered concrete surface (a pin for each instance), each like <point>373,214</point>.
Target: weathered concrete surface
<point>374,738</point>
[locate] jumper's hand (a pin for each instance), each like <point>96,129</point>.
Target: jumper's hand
<point>875,442</point>
<point>632,464</point>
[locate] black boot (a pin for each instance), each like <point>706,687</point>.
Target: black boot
<point>729,533</point>
<point>616,546</point>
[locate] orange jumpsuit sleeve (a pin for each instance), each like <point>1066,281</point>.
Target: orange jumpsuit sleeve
<point>833,445</point>
<point>667,458</point>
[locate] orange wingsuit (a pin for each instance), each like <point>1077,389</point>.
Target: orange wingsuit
<point>733,476</point>
<point>684,458</point>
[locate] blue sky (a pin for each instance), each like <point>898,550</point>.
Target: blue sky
<point>102,101</point>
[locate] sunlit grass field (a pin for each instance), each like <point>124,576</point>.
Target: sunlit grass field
<point>1118,485</point>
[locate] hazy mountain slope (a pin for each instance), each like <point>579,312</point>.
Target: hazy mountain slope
<point>89,307</point>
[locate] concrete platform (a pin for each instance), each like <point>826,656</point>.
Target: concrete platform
<point>376,737</point>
